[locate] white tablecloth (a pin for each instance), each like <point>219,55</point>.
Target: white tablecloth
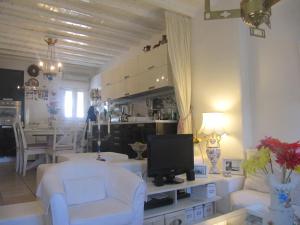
<point>108,156</point>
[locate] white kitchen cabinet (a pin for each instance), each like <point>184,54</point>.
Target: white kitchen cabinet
<point>112,76</point>
<point>112,91</point>
<point>153,59</point>
<point>148,71</point>
<point>157,78</point>
<point>130,68</point>
<point>133,85</point>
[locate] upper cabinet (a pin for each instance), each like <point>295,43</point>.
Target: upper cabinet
<point>148,71</point>
<point>153,59</point>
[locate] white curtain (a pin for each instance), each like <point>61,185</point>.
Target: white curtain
<point>179,46</point>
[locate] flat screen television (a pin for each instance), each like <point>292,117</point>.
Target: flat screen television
<point>170,155</point>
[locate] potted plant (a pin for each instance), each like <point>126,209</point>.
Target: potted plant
<point>273,154</point>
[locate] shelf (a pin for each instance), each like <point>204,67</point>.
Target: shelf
<point>152,189</point>
<point>180,205</point>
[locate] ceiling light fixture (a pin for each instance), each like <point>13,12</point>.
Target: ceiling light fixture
<point>51,67</point>
<point>253,12</point>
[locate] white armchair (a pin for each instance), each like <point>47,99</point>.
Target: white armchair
<point>92,193</point>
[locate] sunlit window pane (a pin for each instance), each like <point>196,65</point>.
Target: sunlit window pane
<point>68,104</point>
<point>79,105</point>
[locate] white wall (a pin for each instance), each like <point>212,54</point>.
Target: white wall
<point>254,81</point>
<point>216,82</point>
<point>276,76</point>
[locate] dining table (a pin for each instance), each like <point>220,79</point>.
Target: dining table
<point>46,132</point>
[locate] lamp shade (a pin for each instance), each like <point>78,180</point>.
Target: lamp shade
<point>212,123</point>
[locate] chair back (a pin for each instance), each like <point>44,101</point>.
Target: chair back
<point>17,138</point>
<point>64,138</point>
<point>22,140</point>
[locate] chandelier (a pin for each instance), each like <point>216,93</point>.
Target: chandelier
<point>256,12</point>
<point>51,67</point>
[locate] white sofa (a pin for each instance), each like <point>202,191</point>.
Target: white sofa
<point>136,166</point>
<point>256,190</point>
<point>112,195</point>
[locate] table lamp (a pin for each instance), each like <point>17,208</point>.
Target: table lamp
<point>212,129</point>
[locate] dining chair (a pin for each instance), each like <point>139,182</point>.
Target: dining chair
<point>27,150</point>
<point>64,141</point>
<point>18,148</point>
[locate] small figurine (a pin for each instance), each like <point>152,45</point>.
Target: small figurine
<point>164,40</point>
<point>147,48</point>
<point>157,45</point>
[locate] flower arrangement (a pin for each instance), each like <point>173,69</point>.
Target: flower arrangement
<point>271,150</point>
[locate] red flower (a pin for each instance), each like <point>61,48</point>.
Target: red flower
<point>287,154</point>
<point>288,159</point>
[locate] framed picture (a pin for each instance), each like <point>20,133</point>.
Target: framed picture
<point>201,170</point>
<point>233,166</point>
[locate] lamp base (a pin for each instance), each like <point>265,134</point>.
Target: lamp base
<point>213,154</point>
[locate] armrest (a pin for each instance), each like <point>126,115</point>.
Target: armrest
<point>226,186</point>
<point>229,184</point>
<point>124,185</point>
<point>59,210</point>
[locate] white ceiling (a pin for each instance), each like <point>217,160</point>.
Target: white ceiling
<point>90,33</point>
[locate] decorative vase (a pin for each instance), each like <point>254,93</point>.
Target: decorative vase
<point>213,154</point>
<point>281,211</point>
<point>139,148</point>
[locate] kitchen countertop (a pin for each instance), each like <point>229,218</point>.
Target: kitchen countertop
<point>138,122</point>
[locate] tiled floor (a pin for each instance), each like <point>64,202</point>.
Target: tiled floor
<point>15,188</point>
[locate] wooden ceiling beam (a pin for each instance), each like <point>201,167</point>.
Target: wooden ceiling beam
<point>42,55</point>
<point>120,9</point>
<point>68,67</point>
<point>97,30</point>
<point>36,24</point>
<point>48,31</point>
<point>136,8</point>
<point>177,6</point>
<point>17,38</point>
<point>43,48</point>
<point>20,33</point>
<point>25,55</point>
<point>99,14</point>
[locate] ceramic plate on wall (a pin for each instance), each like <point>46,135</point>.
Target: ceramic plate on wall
<point>33,70</point>
<point>32,82</point>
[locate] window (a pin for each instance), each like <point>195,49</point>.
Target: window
<point>79,105</point>
<point>68,104</point>
<point>74,104</point>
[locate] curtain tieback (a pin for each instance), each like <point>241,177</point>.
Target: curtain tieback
<point>186,116</point>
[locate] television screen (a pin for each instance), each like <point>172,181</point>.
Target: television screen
<point>170,154</point>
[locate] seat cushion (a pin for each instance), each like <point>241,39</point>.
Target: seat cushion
<point>84,190</point>
<point>244,198</point>
<point>109,211</point>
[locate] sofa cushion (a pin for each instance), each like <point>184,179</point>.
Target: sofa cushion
<point>83,190</point>
<point>244,198</point>
<point>257,182</point>
<point>108,211</point>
